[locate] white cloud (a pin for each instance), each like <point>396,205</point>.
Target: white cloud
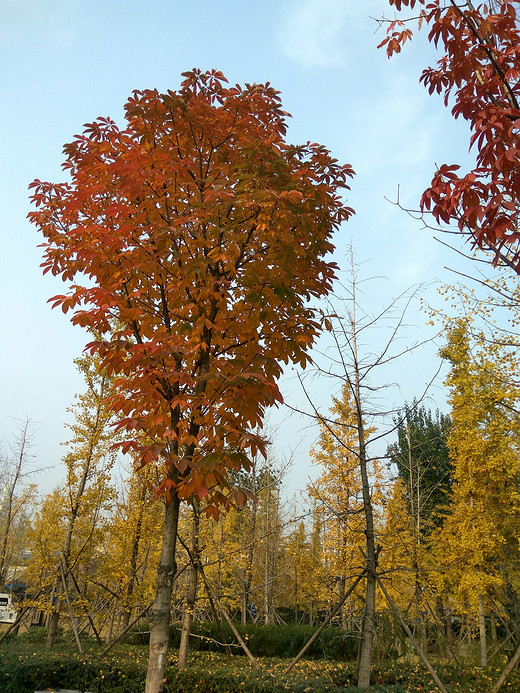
<point>314,32</point>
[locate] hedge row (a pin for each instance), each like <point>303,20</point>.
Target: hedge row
<point>263,641</point>
<point>66,671</point>
<point>216,675</point>
<point>91,674</point>
<point>25,666</point>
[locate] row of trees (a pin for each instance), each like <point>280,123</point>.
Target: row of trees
<point>269,561</point>
<point>443,524</point>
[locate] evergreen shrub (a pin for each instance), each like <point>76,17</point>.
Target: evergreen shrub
<point>264,641</point>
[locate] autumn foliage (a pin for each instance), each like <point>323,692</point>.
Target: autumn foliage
<point>193,241</point>
<point>478,73</point>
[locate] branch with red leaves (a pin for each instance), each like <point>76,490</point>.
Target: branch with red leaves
<point>478,74</point>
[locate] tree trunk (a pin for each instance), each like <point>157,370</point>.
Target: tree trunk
<point>344,619</point>
<point>482,631</point>
<point>191,595</point>
<point>268,581</point>
<point>248,572</point>
<point>136,541</point>
<point>367,637</point>
<point>54,616</point>
<point>53,627</point>
<point>365,658</point>
<point>295,595</point>
<point>440,620</point>
<point>493,627</point>
<point>125,619</point>
<point>419,630</point>
<point>160,612</point>
<point>187,618</point>
<point>110,630</point>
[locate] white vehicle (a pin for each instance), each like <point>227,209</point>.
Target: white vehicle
<point>7,611</point>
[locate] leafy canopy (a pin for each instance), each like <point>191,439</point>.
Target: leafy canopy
<point>479,538</point>
<point>193,241</point>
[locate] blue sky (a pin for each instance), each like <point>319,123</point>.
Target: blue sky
<point>65,62</point>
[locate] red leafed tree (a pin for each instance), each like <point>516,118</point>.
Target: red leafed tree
<point>193,241</point>
<point>479,74</point>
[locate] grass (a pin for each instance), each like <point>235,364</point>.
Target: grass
<point>25,666</point>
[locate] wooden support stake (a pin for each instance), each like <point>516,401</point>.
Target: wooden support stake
<point>503,644</point>
<point>69,609</point>
<point>217,601</point>
<point>228,619</point>
<point>132,623</point>
<point>86,612</point>
<point>408,632</point>
<point>325,622</point>
<point>510,666</point>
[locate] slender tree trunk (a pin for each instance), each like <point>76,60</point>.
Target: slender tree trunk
<point>353,376</point>
<point>125,620</point>
<point>187,618</point>
<point>243,615</point>
<point>449,627</point>
<point>482,631</point>
<point>248,573</point>
<point>267,563</point>
<point>493,627</point>
<point>53,617</point>
<point>469,630</point>
<point>295,595</point>
<point>110,630</point>
<point>133,560</point>
<point>220,557</point>
<point>160,612</point>
<point>69,610</point>
<point>343,613</point>
<point>419,620</point>
<point>65,560</point>
<point>365,657</point>
<point>440,621</point>
<point>191,595</point>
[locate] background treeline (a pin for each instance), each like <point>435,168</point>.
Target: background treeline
<point>446,521</point>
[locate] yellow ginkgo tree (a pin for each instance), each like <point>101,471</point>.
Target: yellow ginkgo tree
<point>338,493</point>
<point>71,522</point>
<point>478,543</point>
